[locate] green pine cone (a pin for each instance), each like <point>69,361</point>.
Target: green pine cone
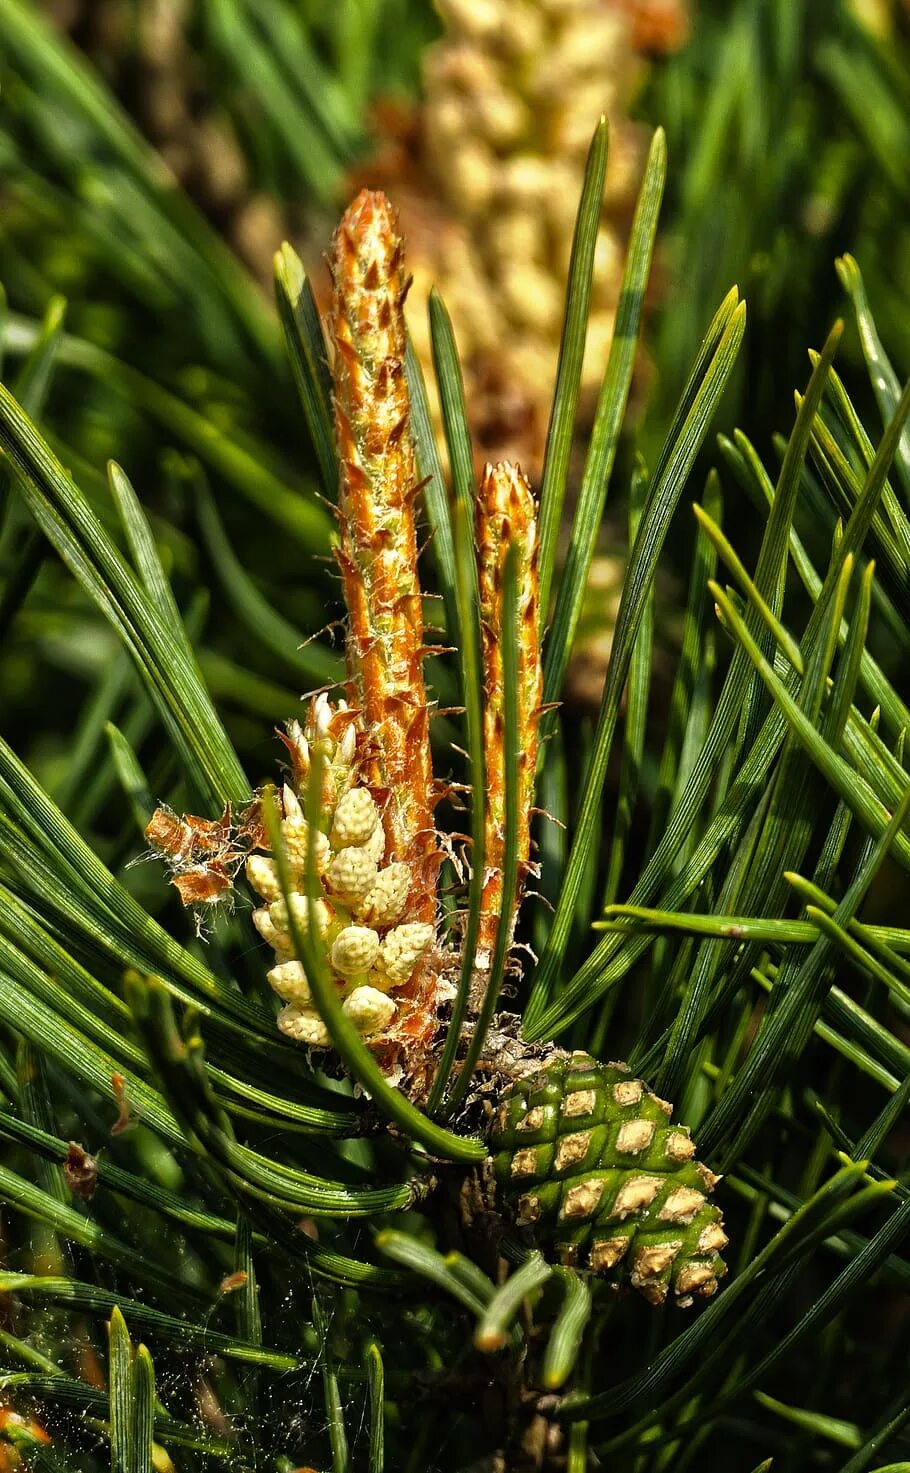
<point>586,1158</point>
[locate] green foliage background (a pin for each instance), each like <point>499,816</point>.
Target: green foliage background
<point>750,819</point>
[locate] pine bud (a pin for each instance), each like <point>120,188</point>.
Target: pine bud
<point>355,818</point>
<point>354,950</point>
<point>303,1025</point>
<point>347,745</point>
<point>369,1009</point>
<point>384,904</point>
<point>322,716</point>
<point>289,981</point>
<point>296,835</point>
<point>351,873</point>
<point>300,909</point>
<point>277,938</point>
<point>402,949</point>
<point>290,803</point>
<point>263,876</point>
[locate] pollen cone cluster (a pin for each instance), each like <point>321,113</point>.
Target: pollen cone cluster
<point>486,176</point>
<point>362,920</point>
<point>587,1160</point>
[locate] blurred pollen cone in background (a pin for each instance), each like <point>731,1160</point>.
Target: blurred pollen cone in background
<point>485,174</point>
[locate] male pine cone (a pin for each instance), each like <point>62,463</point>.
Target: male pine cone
<point>586,1159</point>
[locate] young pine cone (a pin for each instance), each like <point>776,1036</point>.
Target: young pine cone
<point>586,1159</point>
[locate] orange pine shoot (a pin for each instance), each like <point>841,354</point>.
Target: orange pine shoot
<point>506,516</point>
<point>378,541</point>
